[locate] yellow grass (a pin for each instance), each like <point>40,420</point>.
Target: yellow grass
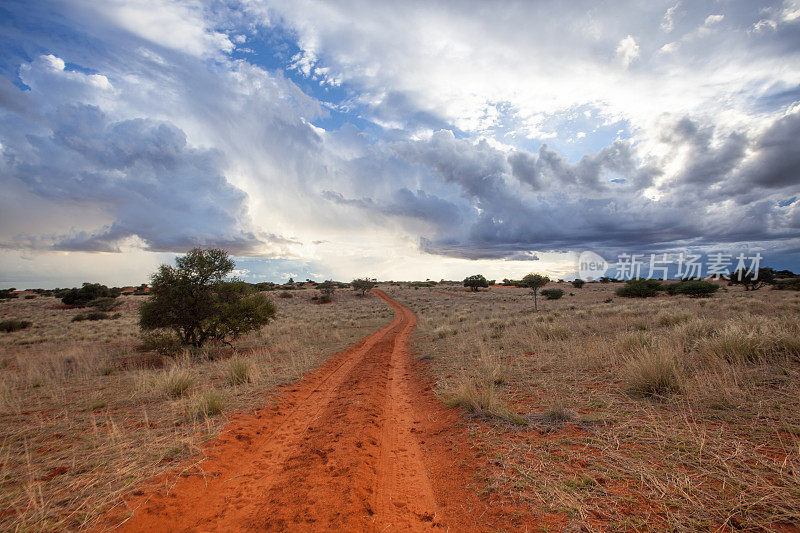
<point>82,421</point>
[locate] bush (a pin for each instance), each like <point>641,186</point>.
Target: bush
<point>326,290</point>
<point>552,294</point>
<point>93,315</point>
<point>285,294</point>
<point>87,293</point>
<point>364,285</point>
<point>30,296</point>
<point>791,284</point>
<point>695,289</point>
<point>198,305</point>
<point>8,326</point>
<point>640,288</point>
<point>578,283</point>
<point>104,303</point>
<point>162,343</point>
<point>8,294</point>
<point>475,282</point>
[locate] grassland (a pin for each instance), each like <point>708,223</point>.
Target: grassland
<point>605,413</point>
<point>84,415</point>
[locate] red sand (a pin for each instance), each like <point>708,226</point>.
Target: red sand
<point>360,444</point>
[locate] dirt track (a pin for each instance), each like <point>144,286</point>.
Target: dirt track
<point>341,451</point>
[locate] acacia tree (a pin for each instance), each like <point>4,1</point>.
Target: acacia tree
<point>475,282</point>
<point>753,280</point>
<point>195,300</point>
<point>535,282</point>
<point>364,285</point>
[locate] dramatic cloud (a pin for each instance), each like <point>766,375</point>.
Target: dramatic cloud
<point>405,139</point>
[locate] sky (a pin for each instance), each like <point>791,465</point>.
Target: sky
<point>397,140</point>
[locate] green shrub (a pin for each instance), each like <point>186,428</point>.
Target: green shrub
<point>8,326</point>
<point>30,296</point>
<point>552,294</point>
<point>694,288</point>
<point>87,293</point>
<point>92,315</point>
<point>640,288</point>
<point>578,283</point>
<point>363,284</point>
<point>104,303</point>
<point>791,284</point>
<point>162,343</point>
<point>285,294</point>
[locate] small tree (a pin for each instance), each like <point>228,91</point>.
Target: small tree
<point>535,282</point>
<point>87,293</point>
<point>475,282</point>
<point>364,285</point>
<point>578,283</point>
<point>326,290</point>
<point>194,300</point>
<point>753,280</point>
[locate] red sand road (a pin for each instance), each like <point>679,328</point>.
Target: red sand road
<point>358,445</point>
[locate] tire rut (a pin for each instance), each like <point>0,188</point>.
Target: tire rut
<point>339,452</point>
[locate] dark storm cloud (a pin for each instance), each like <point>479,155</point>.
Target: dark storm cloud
<point>405,203</point>
<point>570,206</point>
<point>141,172</point>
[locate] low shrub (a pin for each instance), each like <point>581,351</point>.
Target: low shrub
<point>105,303</point>
<point>552,294</point>
<point>93,315</point>
<point>8,326</point>
<point>285,294</point>
<point>578,283</point>
<point>640,288</point>
<point>30,296</point>
<point>791,284</point>
<point>162,343</point>
<point>694,288</point>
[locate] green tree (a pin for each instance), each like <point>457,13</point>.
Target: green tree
<point>194,300</point>
<point>87,293</point>
<point>364,285</point>
<point>578,283</point>
<point>534,282</point>
<point>326,289</point>
<point>753,280</point>
<point>475,282</point>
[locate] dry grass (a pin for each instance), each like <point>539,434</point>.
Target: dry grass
<point>668,413</point>
<point>84,417</point>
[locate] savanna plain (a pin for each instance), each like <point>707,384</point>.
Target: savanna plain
<point>594,413</point>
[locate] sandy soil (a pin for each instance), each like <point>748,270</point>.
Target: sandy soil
<point>360,444</point>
